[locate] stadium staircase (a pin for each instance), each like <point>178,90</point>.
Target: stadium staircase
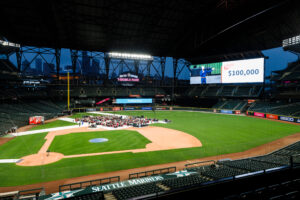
<point>230,105</point>
<point>219,105</point>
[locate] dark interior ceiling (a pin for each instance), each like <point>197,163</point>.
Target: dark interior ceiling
<point>177,28</point>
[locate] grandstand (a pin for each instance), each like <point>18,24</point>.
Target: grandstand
<point>17,114</point>
<point>252,91</point>
<point>61,58</point>
<point>231,105</point>
<point>17,105</point>
<point>279,108</point>
<point>222,173</point>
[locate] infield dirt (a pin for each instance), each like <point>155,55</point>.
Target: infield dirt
<point>160,140</point>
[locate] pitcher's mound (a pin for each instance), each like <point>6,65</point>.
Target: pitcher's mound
<point>40,159</point>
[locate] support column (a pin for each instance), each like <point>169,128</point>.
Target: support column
<point>19,59</point>
<point>149,68</point>
<point>57,58</point>
<point>136,66</point>
<point>107,64</point>
<point>74,58</point>
<point>163,66</point>
<point>175,66</point>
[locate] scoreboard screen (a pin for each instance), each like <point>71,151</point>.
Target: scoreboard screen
<point>238,71</point>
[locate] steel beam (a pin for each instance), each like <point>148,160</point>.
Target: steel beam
<point>107,64</point>
<point>19,59</point>
<point>136,66</point>
<point>162,67</point>
<point>74,58</point>
<point>57,59</point>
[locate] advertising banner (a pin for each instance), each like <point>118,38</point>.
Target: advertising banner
<point>298,120</point>
<point>134,101</point>
<point>288,119</point>
<point>251,101</point>
<point>129,108</point>
<point>146,108</point>
<point>128,79</point>
<point>134,95</point>
<point>243,71</point>
<point>160,108</point>
<point>90,109</point>
<point>237,112</point>
<point>250,113</point>
<point>272,116</point>
<point>226,111</point>
<point>36,120</point>
<point>116,108</point>
<point>238,71</point>
<point>257,114</point>
<point>118,185</point>
<point>102,101</point>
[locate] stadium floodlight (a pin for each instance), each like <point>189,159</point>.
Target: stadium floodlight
<point>10,44</point>
<point>130,56</point>
<point>291,41</point>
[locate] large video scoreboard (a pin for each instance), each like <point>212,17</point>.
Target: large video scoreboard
<point>238,71</point>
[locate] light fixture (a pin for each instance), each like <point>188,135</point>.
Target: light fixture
<point>291,41</point>
<point>11,44</point>
<point>130,56</point>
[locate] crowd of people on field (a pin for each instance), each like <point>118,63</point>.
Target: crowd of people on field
<point>115,121</point>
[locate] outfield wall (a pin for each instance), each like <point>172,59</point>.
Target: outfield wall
<point>224,111</point>
<point>159,108</point>
<point>274,116</point>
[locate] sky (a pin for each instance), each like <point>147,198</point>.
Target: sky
<point>278,59</point>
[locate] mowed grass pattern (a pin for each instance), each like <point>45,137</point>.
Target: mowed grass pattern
<point>225,133</point>
<point>54,124</point>
<point>219,134</point>
<point>22,146</point>
<point>78,143</point>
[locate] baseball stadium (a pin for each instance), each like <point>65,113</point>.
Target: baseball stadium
<point>150,99</point>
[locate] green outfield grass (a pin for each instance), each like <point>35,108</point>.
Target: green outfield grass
<point>79,142</point>
<point>219,134</point>
<point>22,146</point>
<point>79,115</point>
<point>54,124</point>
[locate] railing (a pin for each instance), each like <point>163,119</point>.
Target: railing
<point>196,164</point>
<point>152,172</point>
<point>31,193</point>
<point>84,184</point>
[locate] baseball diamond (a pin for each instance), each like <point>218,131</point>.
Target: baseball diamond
<point>122,100</point>
<point>190,136</point>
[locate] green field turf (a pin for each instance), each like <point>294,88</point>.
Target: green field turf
<point>22,146</point>
<point>79,115</point>
<point>219,134</point>
<point>78,143</point>
<point>54,124</point>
